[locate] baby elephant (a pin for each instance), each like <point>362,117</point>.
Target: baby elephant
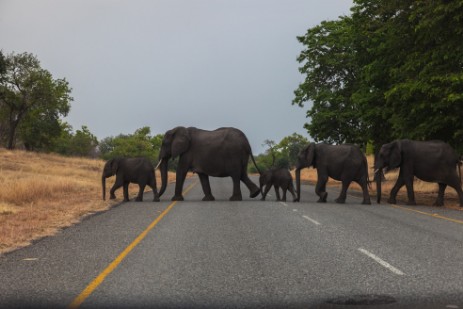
<point>130,170</point>
<point>279,177</point>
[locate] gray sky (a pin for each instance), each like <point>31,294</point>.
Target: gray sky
<point>165,63</point>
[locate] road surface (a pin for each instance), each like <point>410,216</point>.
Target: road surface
<point>249,254</point>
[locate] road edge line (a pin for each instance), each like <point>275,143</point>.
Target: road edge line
<point>91,287</point>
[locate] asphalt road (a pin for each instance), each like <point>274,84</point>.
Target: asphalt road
<point>249,254</point>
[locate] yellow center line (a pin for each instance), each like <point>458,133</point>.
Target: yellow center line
<point>429,214</point>
<point>421,212</point>
<point>111,267</point>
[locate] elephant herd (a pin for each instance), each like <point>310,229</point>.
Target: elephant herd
<point>225,152</point>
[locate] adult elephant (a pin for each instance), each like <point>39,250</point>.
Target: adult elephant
<point>130,170</point>
<point>345,163</point>
<point>431,161</point>
<point>220,153</point>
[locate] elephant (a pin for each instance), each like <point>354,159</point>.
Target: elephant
<point>130,170</point>
<point>220,153</point>
<point>278,177</point>
<point>431,161</point>
<point>345,163</point>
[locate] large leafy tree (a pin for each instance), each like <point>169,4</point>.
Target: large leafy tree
<point>393,69</point>
<point>29,95</point>
<point>329,64</point>
<point>427,95</point>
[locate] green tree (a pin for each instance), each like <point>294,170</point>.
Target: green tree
<point>26,90</point>
<point>290,146</point>
<point>138,144</point>
<point>330,68</point>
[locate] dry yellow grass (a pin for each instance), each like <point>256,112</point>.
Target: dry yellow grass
<point>42,193</point>
<point>425,192</point>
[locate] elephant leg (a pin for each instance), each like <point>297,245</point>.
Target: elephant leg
<point>126,191</point>
<point>182,170</point>
<point>399,184</point>
<point>206,187</point>
<point>440,195</point>
<point>152,184</point>
<point>277,192</point>
<point>366,195</point>
<point>119,183</point>
<point>236,190</point>
<point>455,183</point>
<point>320,189</point>
<point>253,189</point>
<point>343,194</point>
<point>410,192</point>
<point>267,188</point>
<point>284,189</point>
<point>291,190</point>
<point>141,189</point>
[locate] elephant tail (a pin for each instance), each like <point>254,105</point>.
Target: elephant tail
<point>255,164</point>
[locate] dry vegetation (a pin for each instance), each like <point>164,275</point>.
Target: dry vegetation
<point>425,192</point>
<point>42,193</point>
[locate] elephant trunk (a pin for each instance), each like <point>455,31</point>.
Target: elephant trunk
<point>298,184</point>
<point>103,182</point>
<point>163,165</point>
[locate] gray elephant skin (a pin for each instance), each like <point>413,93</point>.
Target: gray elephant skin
<point>431,161</point>
<point>130,170</point>
<point>223,152</point>
<point>278,178</point>
<point>345,163</point>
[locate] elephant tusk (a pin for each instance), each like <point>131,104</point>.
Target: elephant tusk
<point>159,163</point>
<point>376,171</point>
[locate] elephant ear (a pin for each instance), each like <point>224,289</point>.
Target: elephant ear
<point>311,155</point>
<point>114,163</point>
<point>181,142</point>
<point>396,155</point>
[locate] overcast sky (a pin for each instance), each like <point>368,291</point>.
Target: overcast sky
<point>165,63</point>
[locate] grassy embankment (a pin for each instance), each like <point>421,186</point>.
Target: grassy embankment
<point>41,194</point>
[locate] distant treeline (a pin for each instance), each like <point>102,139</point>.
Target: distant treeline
<point>393,69</point>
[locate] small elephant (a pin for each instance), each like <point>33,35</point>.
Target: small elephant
<point>432,161</point>
<point>345,163</point>
<point>279,177</point>
<point>130,170</point>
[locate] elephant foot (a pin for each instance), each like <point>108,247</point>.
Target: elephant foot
<point>208,198</point>
<point>366,202</point>
<point>392,201</point>
<point>323,197</point>
<point>139,199</point>
<point>411,203</point>
<point>236,198</point>
<point>112,197</point>
<point>177,198</point>
<point>340,200</point>
<point>262,198</point>
<point>254,193</point>
<point>156,199</point>
<point>126,200</point>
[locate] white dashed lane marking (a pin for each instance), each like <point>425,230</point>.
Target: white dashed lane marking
<point>381,262</point>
